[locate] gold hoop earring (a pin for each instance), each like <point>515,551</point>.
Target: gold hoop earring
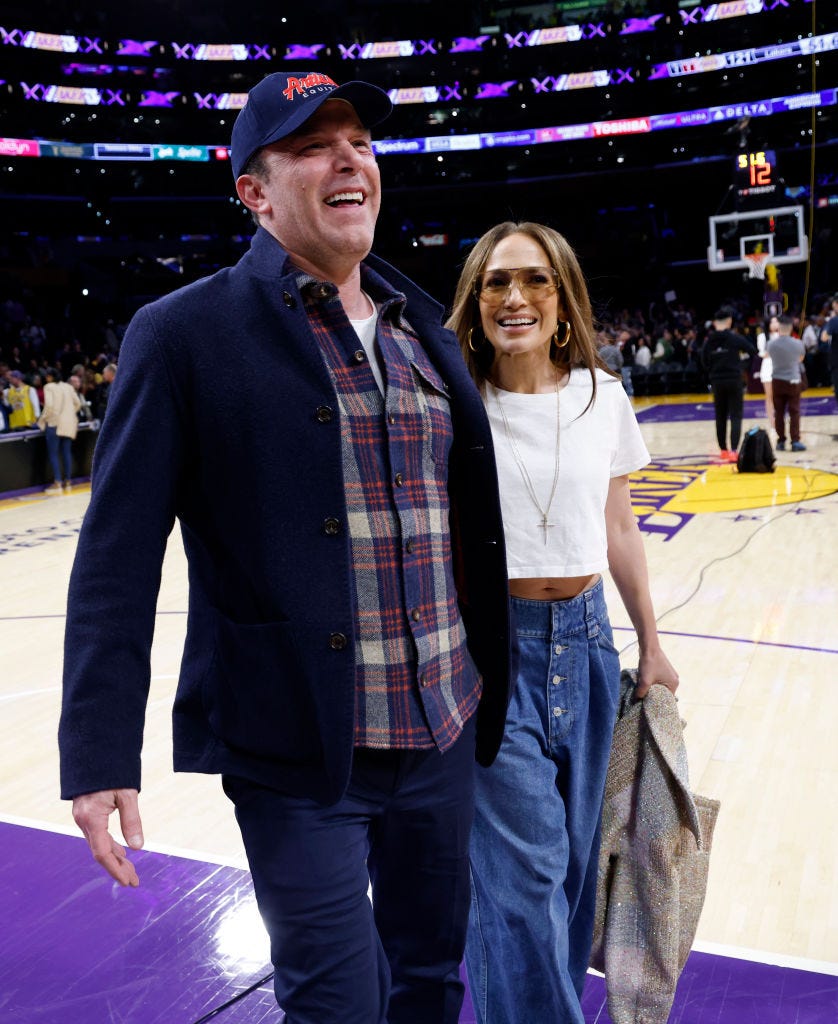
<point>468,341</point>
<point>565,336</point>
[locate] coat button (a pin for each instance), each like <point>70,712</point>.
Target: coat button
<point>337,641</point>
<point>324,413</point>
<point>359,356</point>
<point>331,526</point>
<point>415,614</point>
<point>399,479</point>
<point>289,300</point>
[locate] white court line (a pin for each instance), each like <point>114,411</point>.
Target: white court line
<point>22,694</point>
<point>762,957</point>
<point>29,693</point>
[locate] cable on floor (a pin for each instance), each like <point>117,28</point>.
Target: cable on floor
<point>235,999</point>
<point>810,482</point>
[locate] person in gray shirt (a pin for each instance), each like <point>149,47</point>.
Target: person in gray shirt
<point>609,352</point>
<point>786,355</point>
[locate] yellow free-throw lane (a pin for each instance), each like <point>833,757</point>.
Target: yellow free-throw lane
<point>723,489</point>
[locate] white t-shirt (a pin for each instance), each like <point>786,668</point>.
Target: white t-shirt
<point>603,443</point>
<point>643,356</point>
<point>766,368</point>
<point>365,329</point>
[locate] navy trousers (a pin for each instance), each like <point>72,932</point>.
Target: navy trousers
<point>728,402</point>
<point>402,828</point>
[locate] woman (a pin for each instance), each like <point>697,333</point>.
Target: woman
<point>643,354</point>
<point>566,439</point>
<point>766,367</point>
<point>59,421</point>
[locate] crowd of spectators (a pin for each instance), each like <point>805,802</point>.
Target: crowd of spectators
<point>28,356</point>
<point>656,351</point>
<point>659,351</point>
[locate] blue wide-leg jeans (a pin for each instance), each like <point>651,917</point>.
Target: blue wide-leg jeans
<point>535,839</point>
<point>59,449</point>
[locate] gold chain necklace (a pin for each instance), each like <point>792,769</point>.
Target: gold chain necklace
<point>525,476</point>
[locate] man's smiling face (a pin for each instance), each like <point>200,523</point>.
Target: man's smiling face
<point>322,192</point>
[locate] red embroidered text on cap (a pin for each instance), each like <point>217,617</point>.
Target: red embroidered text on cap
<point>300,85</point>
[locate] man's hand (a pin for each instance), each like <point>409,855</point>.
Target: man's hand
<point>91,812</point>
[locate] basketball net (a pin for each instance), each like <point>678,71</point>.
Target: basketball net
<point>756,264</point>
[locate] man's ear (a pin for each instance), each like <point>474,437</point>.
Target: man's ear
<point>251,193</point>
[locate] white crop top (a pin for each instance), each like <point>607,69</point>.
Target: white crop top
<point>603,443</point>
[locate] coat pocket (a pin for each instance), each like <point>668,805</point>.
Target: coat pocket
<point>256,695</point>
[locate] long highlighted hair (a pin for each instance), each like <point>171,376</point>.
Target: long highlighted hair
<point>574,300</point>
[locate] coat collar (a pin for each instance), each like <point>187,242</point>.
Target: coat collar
<point>269,260</point>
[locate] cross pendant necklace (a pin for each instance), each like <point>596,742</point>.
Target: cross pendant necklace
<point>544,525</point>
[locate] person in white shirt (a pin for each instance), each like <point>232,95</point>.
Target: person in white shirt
<point>766,368</point>
<point>59,421</point>
<point>566,439</point>
<point>643,354</point>
<point>809,334</point>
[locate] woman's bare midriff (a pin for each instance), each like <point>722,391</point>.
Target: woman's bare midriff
<point>552,589</point>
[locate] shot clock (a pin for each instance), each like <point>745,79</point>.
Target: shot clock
<point>756,172</point>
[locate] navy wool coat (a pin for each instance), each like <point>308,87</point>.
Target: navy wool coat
<point>221,418</point>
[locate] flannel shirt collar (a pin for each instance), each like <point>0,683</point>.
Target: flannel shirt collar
<point>390,302</point>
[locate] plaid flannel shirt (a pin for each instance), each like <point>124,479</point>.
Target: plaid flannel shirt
<point>416,684</point>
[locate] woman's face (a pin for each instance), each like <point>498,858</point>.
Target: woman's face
<point>519,311</point>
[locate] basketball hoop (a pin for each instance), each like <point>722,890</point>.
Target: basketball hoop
<point>757,262</point>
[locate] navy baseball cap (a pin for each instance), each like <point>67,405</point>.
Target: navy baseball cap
<point>282,102</point>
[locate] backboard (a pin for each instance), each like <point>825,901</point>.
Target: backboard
<point>736,236</point>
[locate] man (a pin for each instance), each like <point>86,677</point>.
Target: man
<point>85,412</point>
<point>22,400</point>
<point>627,343</point>
<point>721,357</point>
<point>609,352</point>
<point>103,391</point>
<point>326,673</point>
<point>829,335</point>
<point>786,354</point>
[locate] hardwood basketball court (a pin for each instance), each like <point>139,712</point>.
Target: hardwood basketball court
<point>744,574</point>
